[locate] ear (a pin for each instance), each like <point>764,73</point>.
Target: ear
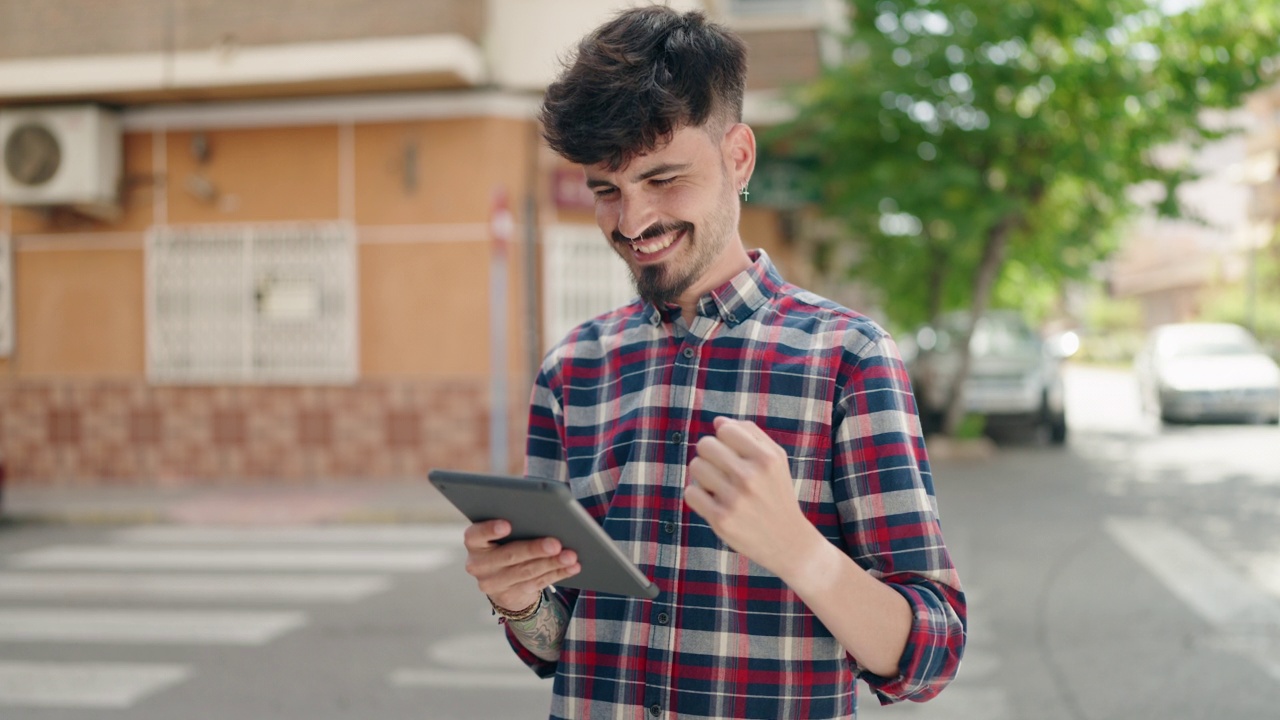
<point>740,153</point>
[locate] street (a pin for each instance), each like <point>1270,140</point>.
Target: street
<point>1134,573</point>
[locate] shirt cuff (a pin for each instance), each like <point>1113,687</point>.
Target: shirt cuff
<point>933,651</point>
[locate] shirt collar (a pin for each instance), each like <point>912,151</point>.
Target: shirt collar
<point>738,299</point>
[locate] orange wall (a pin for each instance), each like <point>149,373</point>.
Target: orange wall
<point>424,244</point>
<point>423,309</point>
<point>455,164</point>
<point>424,292</point>
<point>258,175</point>
<point>79,313</point>
<point>78,282</point>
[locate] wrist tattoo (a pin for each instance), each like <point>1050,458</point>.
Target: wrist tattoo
<point>543,632</point>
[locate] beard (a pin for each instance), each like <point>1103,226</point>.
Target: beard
<point>663,284</point>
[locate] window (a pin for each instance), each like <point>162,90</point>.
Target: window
<point>582,277</point>
<point>251,304</point>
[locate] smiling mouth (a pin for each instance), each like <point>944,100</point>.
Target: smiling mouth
<point>655,240</point>
<point>655,245</point>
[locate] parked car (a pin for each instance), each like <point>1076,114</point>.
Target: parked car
<point>1194,372</point>
<point>1015,376</point>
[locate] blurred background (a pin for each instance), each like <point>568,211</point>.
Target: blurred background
<point>263,264</point>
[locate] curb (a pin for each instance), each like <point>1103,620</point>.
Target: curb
<point>942,447</point>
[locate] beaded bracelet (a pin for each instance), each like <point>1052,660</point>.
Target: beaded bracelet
<point>519,615</point>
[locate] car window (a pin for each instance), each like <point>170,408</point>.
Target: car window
<point>1003,337</point>
<point>1206,341</point>
<point>998,335</point>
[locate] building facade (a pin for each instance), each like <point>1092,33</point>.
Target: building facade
<point>335,247</point>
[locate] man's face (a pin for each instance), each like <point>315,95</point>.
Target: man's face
<point>672,215</point>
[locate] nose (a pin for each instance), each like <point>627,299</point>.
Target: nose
<point>635,214</point>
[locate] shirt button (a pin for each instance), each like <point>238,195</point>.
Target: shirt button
<point>669,527</point>
<point>677,436</point>
<point>655,710</point>
<point>732,318</point>
<point>688,352</point>
<point>663,618</point>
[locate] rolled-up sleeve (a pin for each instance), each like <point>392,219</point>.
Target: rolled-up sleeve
<point>884,491</point>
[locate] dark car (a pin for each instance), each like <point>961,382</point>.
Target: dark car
<point>1015,376</point>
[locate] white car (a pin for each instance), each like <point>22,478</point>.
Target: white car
<point>1192,372</point>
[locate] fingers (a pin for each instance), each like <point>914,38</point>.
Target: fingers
<point>747,440</point>
<point>708,477</point>
<point>515,569</point>
<point>702,503</point>
<point>535,572</point>
<point>483,534</point>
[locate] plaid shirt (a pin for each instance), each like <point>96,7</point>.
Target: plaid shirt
<point>615,413</point>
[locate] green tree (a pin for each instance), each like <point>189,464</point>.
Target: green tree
<point>961,138</point>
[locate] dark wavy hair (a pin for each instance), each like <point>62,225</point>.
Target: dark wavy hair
<point>637,79</point>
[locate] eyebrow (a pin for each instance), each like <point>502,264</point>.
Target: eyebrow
<point>662,169</point>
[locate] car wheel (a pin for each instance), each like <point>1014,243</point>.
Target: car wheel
<point>930,422</point>
<point>1058,429</point>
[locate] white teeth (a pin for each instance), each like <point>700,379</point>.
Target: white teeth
<point>655,247</point>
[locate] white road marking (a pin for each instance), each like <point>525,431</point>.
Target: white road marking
<point>83,685</point>
<point>467,679</point>
<point>206,587</point>
<point>1195,575</point>
<point>484,651</point>
<point>97,557</point>
<point>475,660</point>
<point>433,535</point>
<point>145,626</point>
<point>1265,570</point>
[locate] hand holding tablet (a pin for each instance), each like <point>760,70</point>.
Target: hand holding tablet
<point>546,508</point>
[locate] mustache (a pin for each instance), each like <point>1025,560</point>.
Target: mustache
<point>651,232</point>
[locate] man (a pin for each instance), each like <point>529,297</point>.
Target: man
<point>754,447</point>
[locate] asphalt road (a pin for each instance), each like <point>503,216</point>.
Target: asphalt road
<point>1134,573</point>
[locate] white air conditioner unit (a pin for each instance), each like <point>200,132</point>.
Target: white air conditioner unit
<point>60,155</point>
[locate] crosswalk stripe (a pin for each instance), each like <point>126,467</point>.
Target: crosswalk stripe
<point>1265,571</point>
<point>92,556</point>
<point>433,535</point>
<point>145,626</point>
<point>207,587</point>
<point>1192,572</point>
<point>83,685</point>
<point>468,679</point>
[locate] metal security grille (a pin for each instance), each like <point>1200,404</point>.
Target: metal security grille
<point>582,277</point>
<point>6,297</point>
<point>251,304</point>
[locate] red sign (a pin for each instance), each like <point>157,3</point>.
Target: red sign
<point>569,189</point>
<point>502,224</point>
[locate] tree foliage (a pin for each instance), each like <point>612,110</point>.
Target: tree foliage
<point>963,137</point>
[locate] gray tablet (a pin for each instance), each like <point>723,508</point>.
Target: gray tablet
<point>546,508</point>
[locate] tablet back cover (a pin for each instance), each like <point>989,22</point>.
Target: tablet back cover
<point>545,508</point>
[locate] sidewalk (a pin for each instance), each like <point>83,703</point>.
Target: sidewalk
<point>289,502</point>
<point>241,504</point>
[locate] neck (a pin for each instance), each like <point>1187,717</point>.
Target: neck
<point>733,262</point>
